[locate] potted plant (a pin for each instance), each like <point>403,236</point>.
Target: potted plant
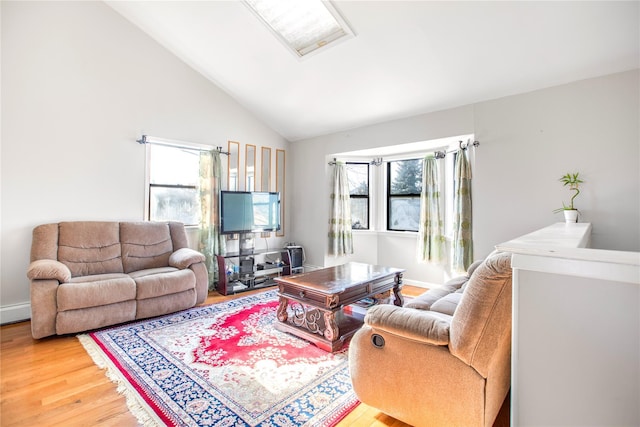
<point>573,181</point>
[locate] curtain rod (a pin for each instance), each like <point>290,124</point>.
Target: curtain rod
<point>146,139</point>
<point>375,162</point>
<point>437,154</point>
<point>461,145</point>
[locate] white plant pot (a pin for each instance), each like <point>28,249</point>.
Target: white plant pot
<point>571,215</point>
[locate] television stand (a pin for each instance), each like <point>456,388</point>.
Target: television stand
<point>247,244</point>
<point>250,275</point>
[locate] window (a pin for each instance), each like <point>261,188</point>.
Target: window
<point>358,176</point>
<point>394,183</point>
<point>404,185</point>
<point>303,26</point>
<point>173,184</point>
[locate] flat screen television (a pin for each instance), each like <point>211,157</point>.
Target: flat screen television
<point>249,212</point>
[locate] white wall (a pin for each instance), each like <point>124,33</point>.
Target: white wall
<point>527,142</point>
<point>530,140</point>
<point>79,85</point>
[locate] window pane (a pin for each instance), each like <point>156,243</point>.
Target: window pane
<point>404,213</point>
<point>173,166</point>
<point>406,176</point>
<point>359,213</point>
<point>174,204</point>
<point>358,175</point>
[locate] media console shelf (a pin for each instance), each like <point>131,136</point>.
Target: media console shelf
<point>251,275</point>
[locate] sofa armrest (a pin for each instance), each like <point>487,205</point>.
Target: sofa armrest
<point>47,269</point>
<point>417,325</point>
<point>183,258</point>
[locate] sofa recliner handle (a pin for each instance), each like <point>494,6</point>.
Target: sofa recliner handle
<point>377,340</point>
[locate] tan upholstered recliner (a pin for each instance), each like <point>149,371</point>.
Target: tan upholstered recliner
<point>90,274</point>
<point>444,358</point>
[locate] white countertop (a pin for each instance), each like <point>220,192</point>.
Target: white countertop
<point>566,240</point>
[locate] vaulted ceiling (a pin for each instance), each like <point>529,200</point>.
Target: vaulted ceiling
<point>407,57</point>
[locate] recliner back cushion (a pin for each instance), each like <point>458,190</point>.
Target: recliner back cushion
<point>90,247</point>
<point>145,245</point>
<point>447,304</point>
<point>482,319</point>
<point>44,242</point>
<point>178,235</point>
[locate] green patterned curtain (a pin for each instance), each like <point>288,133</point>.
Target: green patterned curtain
<point>431,240</point>
<point>340,234</point>
<point>211,242</point>
<point>462,244</point>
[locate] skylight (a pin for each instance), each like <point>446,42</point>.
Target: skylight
<point>304,26</point>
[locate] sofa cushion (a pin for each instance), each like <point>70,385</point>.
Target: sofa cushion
<point>178,235</point>
<point>428,298</point>
<point>472,268</point>
<point>157,282</point>
<point>97,290</point>
<point>83,319</point>
<point>165,304</point>
<point>447,304</point>
<point>145,245</point>
<point>151,271</point>
<point>97,277</point>
<point>44,243</point>
<point>482,320</point>
<point>90,247</point>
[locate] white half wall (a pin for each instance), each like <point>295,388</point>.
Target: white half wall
<point>79,85</point>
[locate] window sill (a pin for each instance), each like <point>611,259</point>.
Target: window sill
<point>406,234</point>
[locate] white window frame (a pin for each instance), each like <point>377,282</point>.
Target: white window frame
<point>179,145</point>
<point>378,180</point>
<point>368,196</point>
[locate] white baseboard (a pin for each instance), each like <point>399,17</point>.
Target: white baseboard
<point>418,284</point>
<point>15,313</point>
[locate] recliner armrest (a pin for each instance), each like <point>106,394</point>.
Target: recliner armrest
<point>417,325</point>
<point>48,269</point>
<point>183,258</point>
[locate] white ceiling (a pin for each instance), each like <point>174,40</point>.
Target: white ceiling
<point>407,58</point>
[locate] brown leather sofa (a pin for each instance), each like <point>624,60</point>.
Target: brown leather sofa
<point>88,274</point>
<point>444,358</point>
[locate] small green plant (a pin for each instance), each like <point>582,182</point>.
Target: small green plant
<point>573,181</point>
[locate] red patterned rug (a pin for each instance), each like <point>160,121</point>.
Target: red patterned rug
<point>223,365</point>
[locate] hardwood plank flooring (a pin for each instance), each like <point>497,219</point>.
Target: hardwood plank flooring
<point>53,382</point>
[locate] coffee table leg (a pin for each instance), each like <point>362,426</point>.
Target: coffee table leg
<point>282,309</point>
<point>331,328</point>
<point>397,291</point>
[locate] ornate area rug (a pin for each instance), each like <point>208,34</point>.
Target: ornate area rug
<point>223,365</point>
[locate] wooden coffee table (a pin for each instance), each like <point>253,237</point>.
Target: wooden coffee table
<point>311,303</point>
